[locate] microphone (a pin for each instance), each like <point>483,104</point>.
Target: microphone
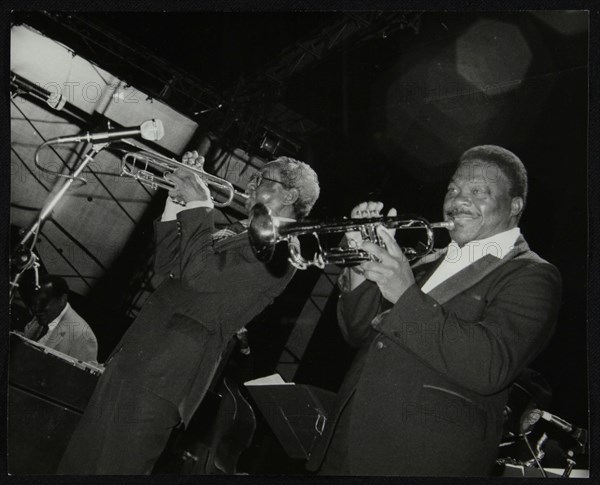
<point>578,433</point>
<point>148,130</point>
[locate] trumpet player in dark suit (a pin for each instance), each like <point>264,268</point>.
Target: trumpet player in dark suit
<point>441,341</point>
<point>159,372</point>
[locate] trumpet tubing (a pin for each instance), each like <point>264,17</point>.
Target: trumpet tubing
<point>265,232</point>
<point>142,164</point>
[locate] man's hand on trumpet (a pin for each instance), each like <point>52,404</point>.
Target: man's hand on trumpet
<point>188,185</point>
<point>366,210</point>
<point>391,271</point>
<point>193,160</point>
<point>352,277</point>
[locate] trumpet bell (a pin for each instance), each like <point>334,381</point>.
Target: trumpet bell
<point>262,232</point>
<point>265,232</point>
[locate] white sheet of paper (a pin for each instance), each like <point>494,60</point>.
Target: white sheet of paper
<point>272,380</point>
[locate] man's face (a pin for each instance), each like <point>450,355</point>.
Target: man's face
<point>46,306</point>
<point>478,201</point>
<point>266,187</point>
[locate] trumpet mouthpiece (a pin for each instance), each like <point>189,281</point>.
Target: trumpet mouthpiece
<point>449,225</point>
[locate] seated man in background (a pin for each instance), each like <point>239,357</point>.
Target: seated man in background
<point>56,325</point>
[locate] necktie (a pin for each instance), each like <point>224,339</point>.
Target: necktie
<point>35,331</point>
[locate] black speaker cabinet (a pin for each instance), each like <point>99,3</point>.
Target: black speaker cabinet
<point>47,395</point>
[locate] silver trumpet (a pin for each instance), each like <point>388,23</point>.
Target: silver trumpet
<point>149,168</point>
<point>265,231</point>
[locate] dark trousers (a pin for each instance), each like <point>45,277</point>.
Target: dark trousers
<point>123,431</point>
<point>427,447</point>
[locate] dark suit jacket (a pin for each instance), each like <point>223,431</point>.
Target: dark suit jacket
<point>211,291</point>
<point>426,391</point>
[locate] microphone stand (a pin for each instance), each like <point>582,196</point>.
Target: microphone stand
<point>570,464</point>
<point>23,257</point>
<point>540,453</point>
<point>580,448</point>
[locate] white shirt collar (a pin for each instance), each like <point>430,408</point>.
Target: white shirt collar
<point>54,322</point>
<point>497,245</point>
<point>457,258</point>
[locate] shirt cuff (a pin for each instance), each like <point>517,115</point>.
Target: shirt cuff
<point>172,209</point>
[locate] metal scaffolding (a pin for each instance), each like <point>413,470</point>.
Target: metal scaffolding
<point>255,104</point>
<point>353,29</point>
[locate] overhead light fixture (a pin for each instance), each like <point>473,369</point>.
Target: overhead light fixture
<point>275,144</point>
<point>270,144</point>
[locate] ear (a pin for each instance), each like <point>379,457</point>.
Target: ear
<point>291,196</point>
<point>63,300</point>
<point>516,206</point>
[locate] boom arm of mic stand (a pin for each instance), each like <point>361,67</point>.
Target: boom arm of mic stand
<point>47,209</point>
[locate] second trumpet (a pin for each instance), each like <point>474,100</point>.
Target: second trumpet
<point>143,165</point>
<point>265,232</point>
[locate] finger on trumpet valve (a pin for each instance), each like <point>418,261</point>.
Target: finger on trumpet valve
<point>193,159</point>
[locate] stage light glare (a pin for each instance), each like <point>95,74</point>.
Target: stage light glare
<point>493,56</point>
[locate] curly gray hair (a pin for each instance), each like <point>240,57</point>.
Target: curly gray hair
<point>299,175</point>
